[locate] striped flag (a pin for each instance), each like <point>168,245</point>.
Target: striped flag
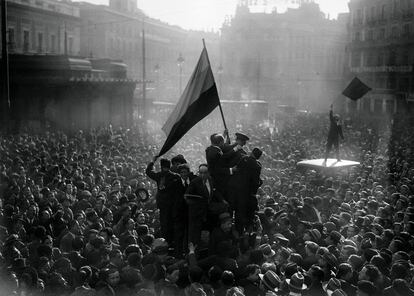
<point>199,99</point>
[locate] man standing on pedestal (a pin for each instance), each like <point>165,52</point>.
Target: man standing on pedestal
<point>167,182</point>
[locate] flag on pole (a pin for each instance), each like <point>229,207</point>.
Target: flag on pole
<point>199,99</point>
<point>356,89</point>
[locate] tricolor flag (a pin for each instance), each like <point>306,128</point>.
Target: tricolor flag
<point>199,98</point>
<point>356,89</point>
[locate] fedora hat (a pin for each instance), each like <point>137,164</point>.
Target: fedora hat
<point>270,280</point>
<point>315,234</point>
<point>332,285</point>
<point>297,282</point>
<point>267,250</point>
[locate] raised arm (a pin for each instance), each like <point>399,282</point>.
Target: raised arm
<point>331,117</point>
<point>149,171</point>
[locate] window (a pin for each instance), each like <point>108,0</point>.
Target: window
<point>394,32</point>
<point>381,34</point>
<point>395,8</point>
<point>406,30</point>
<point>370,35</point>
<point>405,57</point>
<point>359,16</point>
<point>70,39</point>
<point>26,40</point>
<point>380,59</point>
<point>11,39</point>
<point>383,9</point>
<point>39,42</point>
<point>372,13</point>
<point>52,43</point>
<point>393,58</point>
<point>358,36</point>
<point>356,59</point>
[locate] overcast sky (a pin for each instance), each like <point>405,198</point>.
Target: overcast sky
<point>210,14</point>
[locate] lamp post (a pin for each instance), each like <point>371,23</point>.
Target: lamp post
<point>157,71</point>
<point>180,62</point>
<point>220,73</point>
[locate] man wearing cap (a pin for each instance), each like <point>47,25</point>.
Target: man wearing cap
<point>167,182</point>
<point>234,158</point>
<point>335,131</point>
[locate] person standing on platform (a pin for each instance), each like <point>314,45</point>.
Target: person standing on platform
<point>234,158</point>
<point>250,168</point>
<point>335,132</point>
<point>237,188</point>
<point>181,209</point>
<point>167,182</point>
<point>217,163</point>
<point>199,195</point>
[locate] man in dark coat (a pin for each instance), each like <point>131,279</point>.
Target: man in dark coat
<point>309,211</point>
<point>200,194</point>
<point>236,189</point>
<point>234,158</point>
<point>335,131</point>
<point>249,170</point>
<point>181,209</point>
<point>217,162</point>
<point>167,185</point>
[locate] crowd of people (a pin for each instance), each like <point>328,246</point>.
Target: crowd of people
<point>91,213</point>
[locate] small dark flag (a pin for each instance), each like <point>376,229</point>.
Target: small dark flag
<point>356,89</point>
<point>199,99</point>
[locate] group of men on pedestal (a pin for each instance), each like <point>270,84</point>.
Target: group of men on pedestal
<point>236,175</point>
<point>189,204</point>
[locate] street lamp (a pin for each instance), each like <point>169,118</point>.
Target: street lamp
<point>180,62</point>
<point>157,71</point>
<point>220,73</point>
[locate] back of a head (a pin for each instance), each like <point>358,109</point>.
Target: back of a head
<point>343,269</point>
<point>227,278</point>
<point>216,139</point>
<point>195,274</point>
<point>215,273</point>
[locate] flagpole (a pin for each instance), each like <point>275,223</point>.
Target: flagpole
<point>221,109</point>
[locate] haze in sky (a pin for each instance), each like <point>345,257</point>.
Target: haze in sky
<point>210,14</point>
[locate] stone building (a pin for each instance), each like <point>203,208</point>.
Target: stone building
<point>115,32</point>
<point>295,58</point>
<point>380,52</point>
<point>43,27</point>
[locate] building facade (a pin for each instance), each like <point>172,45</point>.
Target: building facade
<point>116,32</point>
<point>43,27</point>
<point>380,53</point>
<point>294,58</point>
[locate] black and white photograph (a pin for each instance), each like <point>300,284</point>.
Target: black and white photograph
<point>207,148</point>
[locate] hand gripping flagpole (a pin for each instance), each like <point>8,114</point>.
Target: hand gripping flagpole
<point>221,109</point>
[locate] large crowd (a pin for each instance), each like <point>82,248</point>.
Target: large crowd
<point>91,213</point>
